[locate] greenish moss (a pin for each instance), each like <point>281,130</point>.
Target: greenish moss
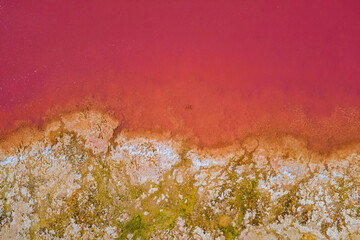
<point>340,191</point>
<point>230,232</point>
<point>134,226</point>
<point>289,204</point>
<point>135,192</point>
<point>244,193</point>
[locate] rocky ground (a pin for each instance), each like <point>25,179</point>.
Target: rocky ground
<point>79,180</point>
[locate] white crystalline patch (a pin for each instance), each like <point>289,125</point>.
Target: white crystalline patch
<point>9,160</point>
<point>152,190</point>
<point>77,176</point>
<point>337,174</point>
<point>200,179</point>
<point>239,169</point>
<point>24,191</point>
<point>201,234</point>
<point>323,176</point>
<point>288,173</point>
<point>199,162</point>
<point>304,229</point>
<point>179,178</point>
<point>333,233</point>
<point>290,169</point>
<point>145,159</point>
<point>111,231</point>
<point>47,151</point>
<point>37,150</point>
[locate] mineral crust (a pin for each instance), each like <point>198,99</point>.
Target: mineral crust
<point>80,178</point>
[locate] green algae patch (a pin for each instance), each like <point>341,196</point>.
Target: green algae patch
<point>161,208</point>
<point>134,226</point>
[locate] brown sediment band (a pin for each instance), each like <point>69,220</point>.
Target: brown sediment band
<point>27,132</point>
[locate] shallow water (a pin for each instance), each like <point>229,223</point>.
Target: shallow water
<point>214,72</point>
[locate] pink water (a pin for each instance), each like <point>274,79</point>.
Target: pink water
<point>214,71</point>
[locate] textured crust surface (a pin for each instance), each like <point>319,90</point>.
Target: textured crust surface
<point>82,178</point>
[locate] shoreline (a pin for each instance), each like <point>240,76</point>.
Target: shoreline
<point>27,132</point>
